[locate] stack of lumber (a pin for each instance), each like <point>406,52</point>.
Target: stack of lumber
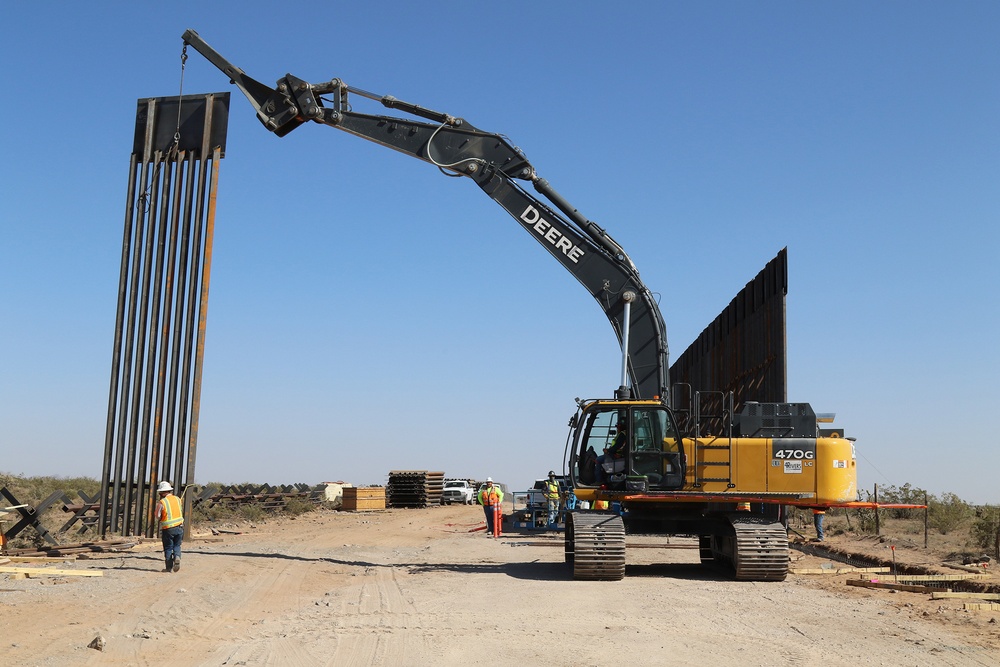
<point>363,498</point>
<point>414,488</point>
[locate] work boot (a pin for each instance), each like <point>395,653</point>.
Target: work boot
<point>170,565</point>
<point>177,564</point>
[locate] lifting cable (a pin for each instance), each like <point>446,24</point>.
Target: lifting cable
<point>143,199</point>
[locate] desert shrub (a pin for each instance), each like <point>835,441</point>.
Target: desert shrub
<point>251,512</point>
<point>295,507</point>
<point>948,512</point>
<point>209,513</point>
<point>985,527</point>
<point>33,490</point>
<point>902,495</point>
<point>864,521</point>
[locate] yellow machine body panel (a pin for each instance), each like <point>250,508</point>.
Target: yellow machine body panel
<point>819,471</point>
<point>822,469</point>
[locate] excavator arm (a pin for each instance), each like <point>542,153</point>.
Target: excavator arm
<point>460,149</point>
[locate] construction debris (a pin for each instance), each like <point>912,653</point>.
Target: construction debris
<point>116,545</point>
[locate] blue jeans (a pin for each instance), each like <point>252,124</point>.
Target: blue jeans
<point>818,522</point>
<point>172,542</point>
<point>553,511</point>
<point>488,510</point>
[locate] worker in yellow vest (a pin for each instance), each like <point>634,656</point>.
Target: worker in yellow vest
<point>491,497</point>
<point>168,513</point>
<point>551,494</point>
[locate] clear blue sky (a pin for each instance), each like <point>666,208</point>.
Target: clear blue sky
<point>369,314</point>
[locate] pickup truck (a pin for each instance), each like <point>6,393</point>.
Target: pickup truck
<point>457,491</point>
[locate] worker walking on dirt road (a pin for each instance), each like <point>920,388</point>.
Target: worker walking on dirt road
<point>491,497</point>
<point>168,513</point>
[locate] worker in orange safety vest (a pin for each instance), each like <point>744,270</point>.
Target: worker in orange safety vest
<point>171,518</point>
<point>491,497</point>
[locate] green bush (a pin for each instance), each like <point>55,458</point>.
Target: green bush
<point>251,512</point>
<point>903,495</point>
<point>985,528</point>
<point>948,512</point>
<point>295,507</point>
<point>865,521</point>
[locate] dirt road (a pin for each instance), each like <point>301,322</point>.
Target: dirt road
<point>424,587</point>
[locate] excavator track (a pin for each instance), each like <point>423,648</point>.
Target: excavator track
<point>760,549</point>
<point>595,546</point>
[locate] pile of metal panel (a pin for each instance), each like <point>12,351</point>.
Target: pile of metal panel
<point>414,488</point>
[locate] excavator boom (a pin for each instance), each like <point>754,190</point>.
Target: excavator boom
<point>460,149</point>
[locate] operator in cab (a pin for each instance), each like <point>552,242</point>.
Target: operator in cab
<point>613,458</point>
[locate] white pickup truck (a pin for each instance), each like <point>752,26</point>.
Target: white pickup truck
<point>457,491</point>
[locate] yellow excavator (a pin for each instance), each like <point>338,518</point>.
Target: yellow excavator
<point>728,485</point>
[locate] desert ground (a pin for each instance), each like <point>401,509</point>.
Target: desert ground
<point>428,587</point>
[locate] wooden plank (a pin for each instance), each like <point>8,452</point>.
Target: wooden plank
<point>964,568</point>
<point>981,606</point>
<point>864,583</point>
<point>37,571</point>
<point>40,559</point>
<point>838,570</point>
<point>940,577</point>
<point>973,596</point>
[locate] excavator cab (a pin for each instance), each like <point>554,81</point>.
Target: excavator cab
<point>627,446</point>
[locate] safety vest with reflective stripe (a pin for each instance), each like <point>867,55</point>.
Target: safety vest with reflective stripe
<point>170,512</point>
<point>491,496</point>
<point>551,490</point>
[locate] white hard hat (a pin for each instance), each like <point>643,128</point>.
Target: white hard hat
<point>489,479</point>
<point>164,486</point>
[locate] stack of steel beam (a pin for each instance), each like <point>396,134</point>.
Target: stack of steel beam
<point>414,488</point>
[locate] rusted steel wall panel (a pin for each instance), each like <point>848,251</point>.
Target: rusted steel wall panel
<point>743,350</point>
<point>162,305</point>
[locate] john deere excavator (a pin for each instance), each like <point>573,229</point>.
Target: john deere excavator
<point>727,487</point>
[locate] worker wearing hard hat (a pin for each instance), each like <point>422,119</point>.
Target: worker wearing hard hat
<point>491,497</point>
<point>168,513</point>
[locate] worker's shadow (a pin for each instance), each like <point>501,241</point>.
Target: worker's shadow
<point>131,561</point>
